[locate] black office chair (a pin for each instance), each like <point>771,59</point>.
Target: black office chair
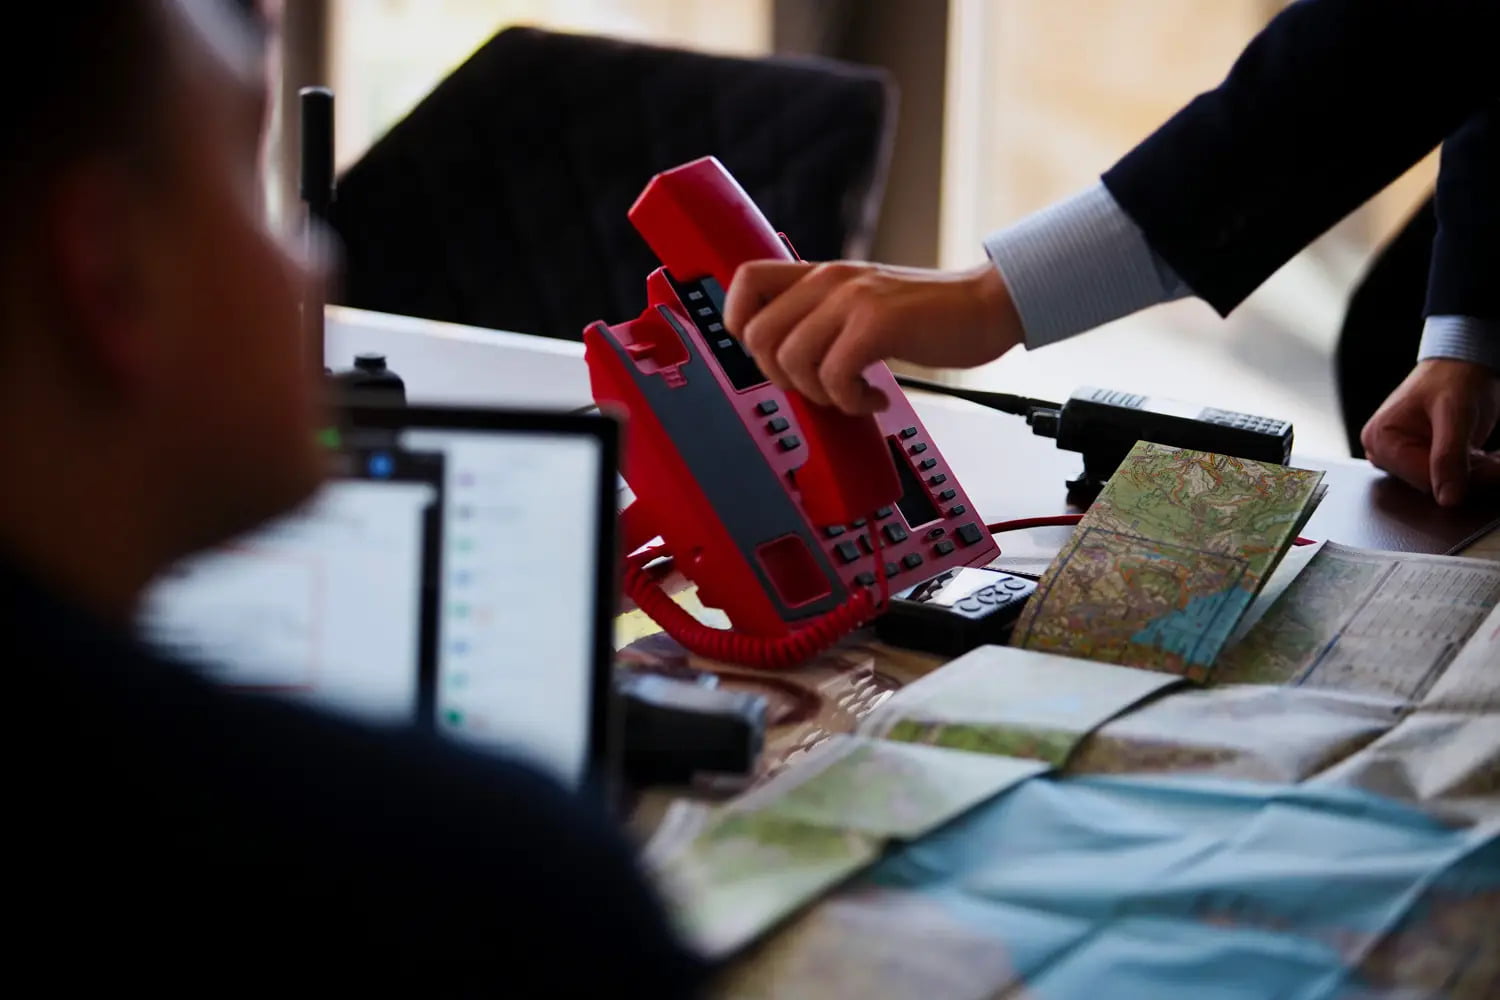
<point>500,200</point>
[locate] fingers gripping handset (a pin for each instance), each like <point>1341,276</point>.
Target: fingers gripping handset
<point>795,519</point>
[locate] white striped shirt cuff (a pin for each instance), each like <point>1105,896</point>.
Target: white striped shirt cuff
<point>1461,338</point>
<point>1079,264</point>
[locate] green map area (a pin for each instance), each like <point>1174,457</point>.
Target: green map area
<point>1167,560</point>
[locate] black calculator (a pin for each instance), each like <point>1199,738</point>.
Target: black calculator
<point>955,611</point>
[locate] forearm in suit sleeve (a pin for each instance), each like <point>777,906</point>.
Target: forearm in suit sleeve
<point>1465,276</point>
<point>1329,104</point>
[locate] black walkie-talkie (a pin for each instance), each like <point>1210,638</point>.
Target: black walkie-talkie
<point>1104,424</point>
<point>315,185</point>
<point>370,380</point>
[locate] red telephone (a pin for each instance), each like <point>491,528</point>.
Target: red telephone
<point>795,519</point>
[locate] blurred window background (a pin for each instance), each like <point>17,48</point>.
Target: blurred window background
<point>1006,106</point>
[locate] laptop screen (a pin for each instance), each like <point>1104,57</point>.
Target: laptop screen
<point>457,573</point>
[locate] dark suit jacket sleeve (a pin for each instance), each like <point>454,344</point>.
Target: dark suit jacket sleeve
<point>1330,103</point>
<point>1465,276</point>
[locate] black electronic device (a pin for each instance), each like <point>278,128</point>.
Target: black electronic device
<point>369,381</point>
<point>955,611</point>
<point>677,730</point>
<point>316,186</point>
<point>1104,424</point>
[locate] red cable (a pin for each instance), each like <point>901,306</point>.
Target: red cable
<point>765,652</point>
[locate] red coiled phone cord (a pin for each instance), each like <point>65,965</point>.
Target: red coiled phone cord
<point>766,652</point>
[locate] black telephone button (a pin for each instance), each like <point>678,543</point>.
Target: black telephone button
<point>912,560</point>
<point>1013,584</point>
<point>866,579</point>
<point>861,523</point>
<point>891,569</point>
<point>943,548</point>
<point>694,296</point>
<point>716,328</point>
<point>725,343</point>
<point>970,605</point>
<point>767,407</point>
<point>937,532</point>
<point>907,432</point>
<point>926,463</point>
<point>884,512</point>
<point>987,596</point>
<point>969,533</point>
<point>776,425</point>
<point>919,447</point>
<point>865,546</point>
<point>834,530</point>
<point>957,510</point>
<point>789,442</point>
<point>848,551</point>
<point>895,533</point>
<point>947,494</point>
<point>937,480</point>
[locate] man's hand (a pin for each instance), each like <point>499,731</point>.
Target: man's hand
<point>1431,429</point>
<point>815,328</point>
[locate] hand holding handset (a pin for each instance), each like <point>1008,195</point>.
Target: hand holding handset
<point>795,519</point>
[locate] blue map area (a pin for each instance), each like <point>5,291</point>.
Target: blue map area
<point>1152,887</point>
<point>1198,631</point>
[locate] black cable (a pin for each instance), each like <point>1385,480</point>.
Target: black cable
<point>1005,402</point>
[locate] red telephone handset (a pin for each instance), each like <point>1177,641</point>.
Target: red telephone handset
<point>786,514</point>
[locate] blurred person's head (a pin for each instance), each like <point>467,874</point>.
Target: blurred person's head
<point>156,395</point>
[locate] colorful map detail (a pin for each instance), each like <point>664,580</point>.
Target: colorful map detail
<point>1166,561</point>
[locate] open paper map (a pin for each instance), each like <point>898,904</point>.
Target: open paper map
<point>1167,559</point>
<point>934,750</point>
<point>1383,623</point>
